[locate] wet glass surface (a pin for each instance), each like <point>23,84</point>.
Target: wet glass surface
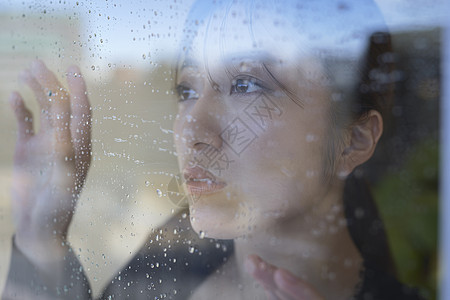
<point>253,121</point>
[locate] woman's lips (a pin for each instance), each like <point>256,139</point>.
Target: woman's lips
<point>201,182</point>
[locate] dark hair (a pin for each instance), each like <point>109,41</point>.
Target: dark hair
<point>374,92</point>
<point>375,89</point>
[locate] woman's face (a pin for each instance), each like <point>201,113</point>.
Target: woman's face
<point>251,133</point>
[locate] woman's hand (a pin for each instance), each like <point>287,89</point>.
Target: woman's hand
<point>50,166</point>
<point>278,283</point>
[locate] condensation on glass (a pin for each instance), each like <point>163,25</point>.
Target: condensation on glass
<point>227,149</point>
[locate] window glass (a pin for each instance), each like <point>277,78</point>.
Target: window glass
<point>177,149</point>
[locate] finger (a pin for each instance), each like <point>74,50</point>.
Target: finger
<point>59,98</point>
<point>27,78</point>
<point>296,288</point>
<point>23,115</point>
<point>81,119</point>
<point>263,273</point>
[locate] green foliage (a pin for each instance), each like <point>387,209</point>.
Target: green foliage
<point>408,203</point>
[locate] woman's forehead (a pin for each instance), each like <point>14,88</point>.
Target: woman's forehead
<point>255,63</point>
<point>287,29</point>
<point>241,60</point>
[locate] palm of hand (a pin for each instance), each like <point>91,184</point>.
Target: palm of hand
<point>50,166</point>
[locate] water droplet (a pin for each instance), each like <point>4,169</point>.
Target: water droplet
<point>311,138</point>
<point>93,67</point>
<point>191,249</point>
<point>359,213</point>
<point>147,183</point>
<point>201,234</point>
<point>158,192</point>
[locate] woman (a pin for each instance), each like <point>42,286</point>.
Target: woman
<point>289,97</point>
<point>278,104</point>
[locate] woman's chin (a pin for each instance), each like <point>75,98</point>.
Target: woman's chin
<point>213,224</point>
<point>213,233</point>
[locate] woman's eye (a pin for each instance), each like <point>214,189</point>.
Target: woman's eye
<point>185,93</point>
<point>242,86</point>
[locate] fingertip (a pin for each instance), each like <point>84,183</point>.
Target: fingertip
<point>24,76</point>
<point>250,264</point>
<point>37,70</point>
<point>37,66</point>
<point>73,70</point>
<point>74,77</point>
<point>255,258</point>
<point>77,85</point>
<point>15,100</point>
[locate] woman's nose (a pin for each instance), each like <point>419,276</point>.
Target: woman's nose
<point>202,124</point>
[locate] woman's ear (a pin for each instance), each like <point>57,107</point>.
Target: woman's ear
<point>363,138</point>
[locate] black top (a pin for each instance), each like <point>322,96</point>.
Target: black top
<point>171,265</point>
<point>378,285</point>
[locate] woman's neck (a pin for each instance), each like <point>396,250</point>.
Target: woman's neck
<point>315,246</point>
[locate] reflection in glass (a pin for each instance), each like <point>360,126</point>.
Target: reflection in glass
<point>268,130</point>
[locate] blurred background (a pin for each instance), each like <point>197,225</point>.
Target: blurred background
<point>126,51</point>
